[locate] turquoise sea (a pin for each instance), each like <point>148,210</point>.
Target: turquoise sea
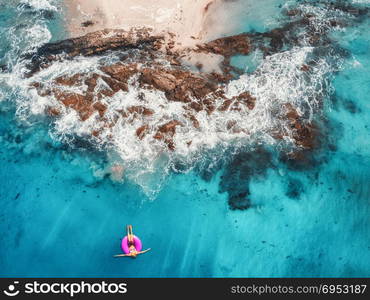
<point>59,219</point>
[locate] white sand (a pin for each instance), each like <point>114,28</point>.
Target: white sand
<point>188,20</point>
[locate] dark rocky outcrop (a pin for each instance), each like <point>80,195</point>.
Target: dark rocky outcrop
<point>303,131</point>
<point>228,46</point>
<point>95,43</point>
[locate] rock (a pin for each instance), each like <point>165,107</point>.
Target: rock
<point>75,101</point>
<point>293,12</point>
<point>115,85</point>
<point>160,79</point>
<point>228,46</point>
<point>247,99</point>
<point>95,43</point>
<point>235,103</point>
<point>140,110</point>
<point>178,85</point>
<point>119,71</point>
<point>303,132</point>
<point>142,131</point>
<point>52,111</point>
<point>166,133</point>
<point>87,23</point>
<point>95,133</point>
<point>305,68</point>
<point>225,105</point>
<point>194,121</point>
<point>69,81</point>
<point>100,107</point>
<point>169,128</point>
<point>91,82</point>
<point>196,106</point>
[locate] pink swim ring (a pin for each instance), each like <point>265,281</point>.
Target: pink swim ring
<point>137,243</point>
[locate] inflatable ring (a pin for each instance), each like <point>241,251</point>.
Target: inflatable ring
<point>137,243</point>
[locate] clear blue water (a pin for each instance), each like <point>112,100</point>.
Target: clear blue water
<point>58,219</point>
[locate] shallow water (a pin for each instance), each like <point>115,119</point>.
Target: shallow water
<point>59,217</point>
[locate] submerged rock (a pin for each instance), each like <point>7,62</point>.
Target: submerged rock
<point>238,173</point>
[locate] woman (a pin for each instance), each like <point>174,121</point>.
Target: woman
<point>131,245</point>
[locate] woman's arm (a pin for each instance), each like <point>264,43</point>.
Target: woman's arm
<point>121,255</point>
<point>141,252</point>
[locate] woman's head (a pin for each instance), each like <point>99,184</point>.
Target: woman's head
<point>133,251</point>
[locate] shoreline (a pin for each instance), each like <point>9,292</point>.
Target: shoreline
<point>184,23</point>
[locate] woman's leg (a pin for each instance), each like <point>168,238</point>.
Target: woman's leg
<point>130,236</point>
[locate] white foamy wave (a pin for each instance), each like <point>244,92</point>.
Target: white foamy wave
<point>322,18</point>
<point>360,1</point>
<point>24,39</point>
<point>38,35</point>
<point>29,39</point>
<point>41,4</point>
<point>278,81</point>
<point>21,41</point>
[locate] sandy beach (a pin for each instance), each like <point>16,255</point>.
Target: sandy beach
<point>186,21</point>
